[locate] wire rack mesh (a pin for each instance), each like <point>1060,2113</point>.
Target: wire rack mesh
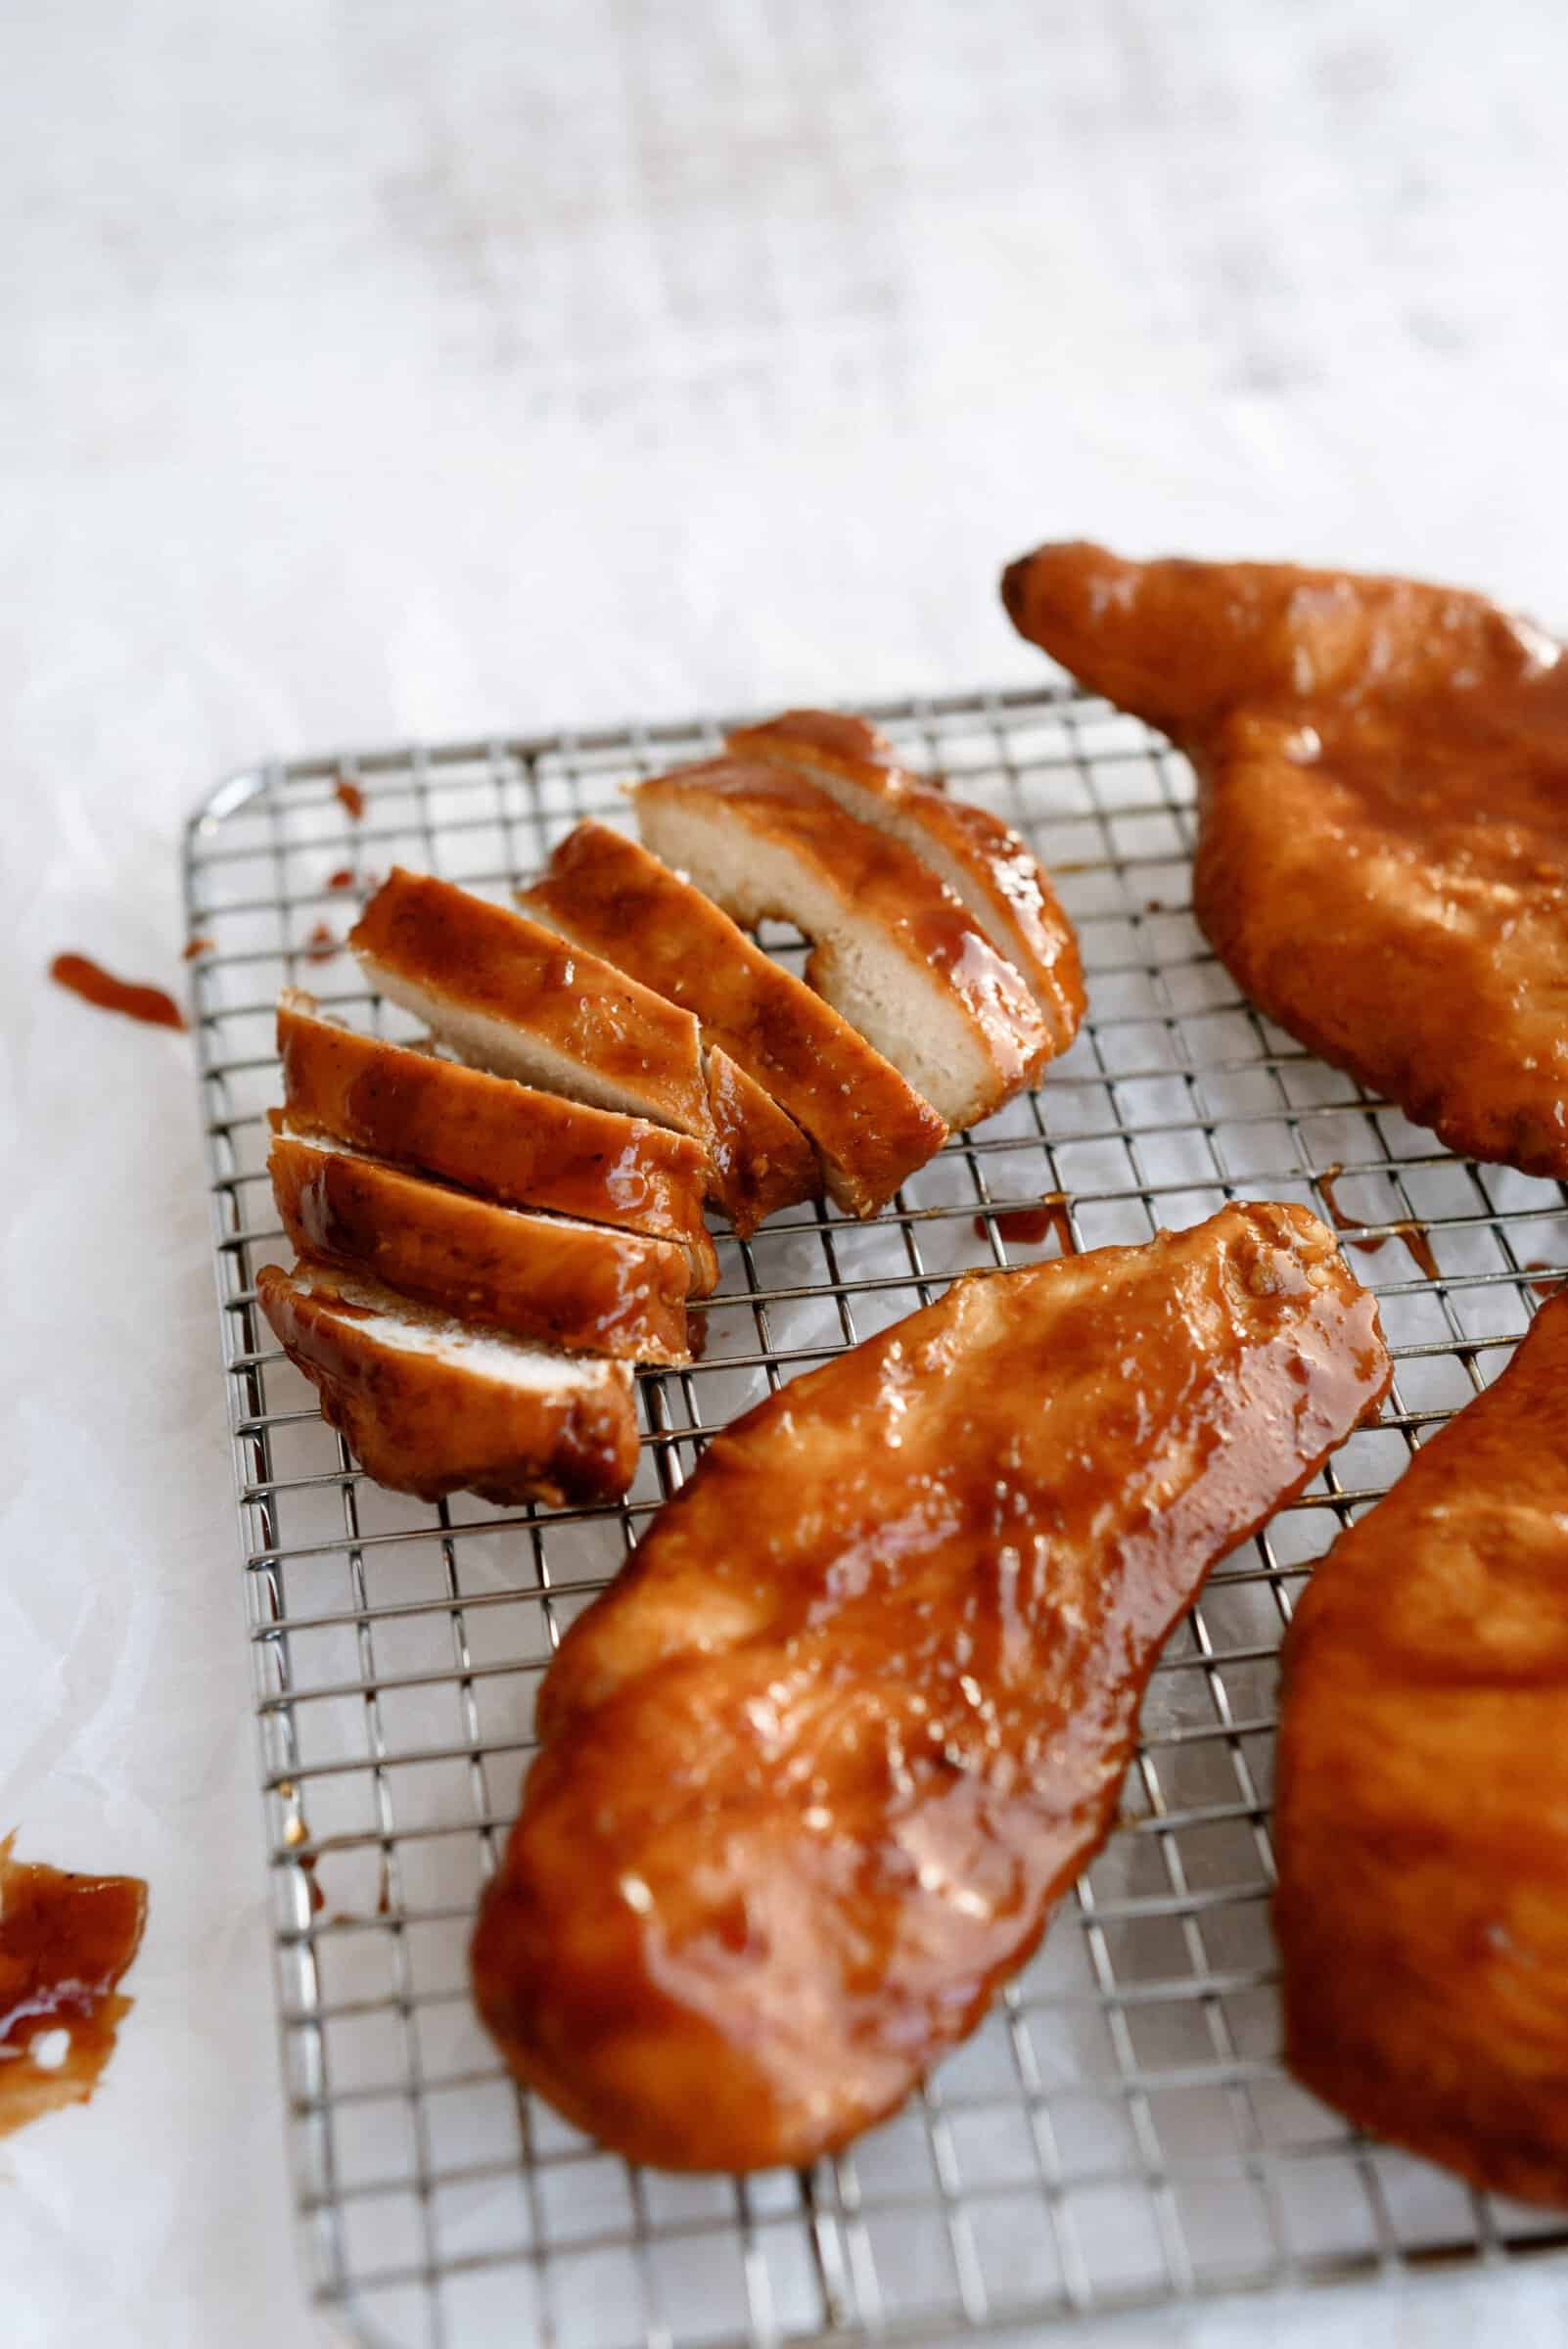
<point>1119,2132</point>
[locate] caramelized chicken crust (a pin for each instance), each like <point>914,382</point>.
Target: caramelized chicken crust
<point>1382,860</point>
<point>1422,1811</point>
<point>858,1707</point>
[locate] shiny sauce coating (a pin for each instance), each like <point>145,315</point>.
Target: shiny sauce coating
<point>66,1941</point>
<point>1421,1795</point>
<point>860,1704</point>
<point>1382,855</point>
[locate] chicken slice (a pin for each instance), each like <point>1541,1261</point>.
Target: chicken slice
<point>858,1709</point>
<point>580,1287</point>
<point>1382,858</point>
<point>1421,1808</point>
<point>508,996</point>
<point>979,857</point>
<point>869,1126</point>
<point>505,1141</point>
<point>896,953</point>
<point>761,1159</point>
<point>432,1406</point>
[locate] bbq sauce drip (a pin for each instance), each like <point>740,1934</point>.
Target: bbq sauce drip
<point>1413,1235</point>
<point>350,798</point>
<point>65,1942</point>
<point>80,976</point>
<point>1031,1224</point>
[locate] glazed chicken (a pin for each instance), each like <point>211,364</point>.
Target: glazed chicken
<point>505,1141</point>
<point>971,852</point>
<point>1382,860</point>
<point>869,1126</point>
<point>894,949</point>
<point>762,1161</point>
<point>580,1287</point>
<point>1421,1807</point>
<point>858,1707</point>
<point>432,1406</point>
<point>512,996</point>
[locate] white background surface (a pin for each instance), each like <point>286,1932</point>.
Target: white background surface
<point>387,370</point>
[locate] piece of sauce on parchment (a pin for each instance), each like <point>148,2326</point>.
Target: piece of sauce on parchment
<point>66,1941</point>
<point>80,976</point>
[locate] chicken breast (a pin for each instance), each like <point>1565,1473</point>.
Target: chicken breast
<point>578,1288</point>
<point>970,850</point>
<point>858,1708</point>
<point>1421,1804</point>
<point>508,996</point>
<point>505,1141</point>
<point>432,1406</point>
<point>1382,858</point>
<point>762,1161</point>
<point>869,1126</point>
<point>894,950</point>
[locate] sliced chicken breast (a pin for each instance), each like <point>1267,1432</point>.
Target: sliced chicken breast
<point>895,952</point>
<point>580,1287</point>
<point>762,1162</point>
<point>505,1141</point>
<point>869,1126</point>
<point>988,867</point>
<point>432,1406</point>
<point>511,997</point>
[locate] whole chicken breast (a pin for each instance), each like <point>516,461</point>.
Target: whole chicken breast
<point>1382,858</point>
<point>858,1707</point>
<point>1422,1802</point>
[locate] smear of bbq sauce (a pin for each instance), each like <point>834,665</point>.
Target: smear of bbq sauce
<point>343,878</point>
<point>1408,1229</point>
<point>82,977</point>
<point>296,1832</point>
<point>697,1334</point>
<point>65,1942</point>
<point>349,797</point>
<point>1555,1280</point>
<point>1030,1224</point>
<point>196,945</point>
<point>321,946</point>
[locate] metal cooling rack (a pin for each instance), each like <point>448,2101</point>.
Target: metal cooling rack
<point>1119,2132</point>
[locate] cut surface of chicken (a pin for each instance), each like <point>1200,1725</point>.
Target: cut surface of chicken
<point>1421,1804</point>
<point>869,1126</point>
<point>762,1161</point>
<point>492,1136</point>
<point>988,867</point>
<point>432,1406</point>
<point>894,950</point>
<point>858,1706</point>
<point>512,997</point>
<point>1382,858</point>
<point>580,1287</point>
